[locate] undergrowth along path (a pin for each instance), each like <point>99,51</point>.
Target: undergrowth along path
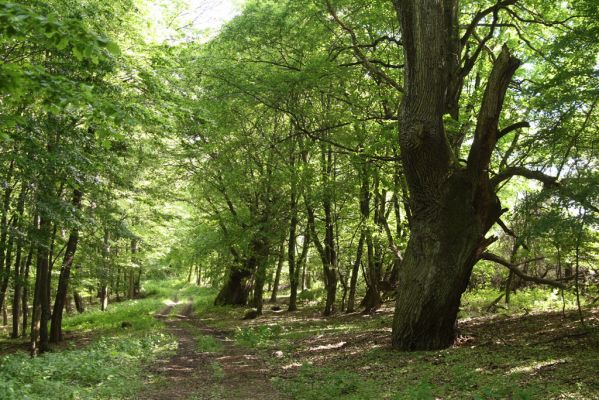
<point>224,370</point>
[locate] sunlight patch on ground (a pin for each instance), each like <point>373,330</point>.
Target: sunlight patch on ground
<point>171,303</point>
<point>536,366</point>
<point>328,346</point>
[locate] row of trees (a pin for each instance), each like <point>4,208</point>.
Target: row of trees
<point>293,134</point>
<point>72,154</point>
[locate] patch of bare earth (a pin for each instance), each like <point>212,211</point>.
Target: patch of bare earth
<point>230,373</point>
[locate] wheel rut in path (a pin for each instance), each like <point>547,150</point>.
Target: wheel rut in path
<point>231,372</point>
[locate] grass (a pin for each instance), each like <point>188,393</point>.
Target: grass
<point>111,365</point>
<point>208,344</point>
<point>109,368</point>
<point>529,350</point>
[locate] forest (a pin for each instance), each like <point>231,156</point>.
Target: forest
<point>299,199</point>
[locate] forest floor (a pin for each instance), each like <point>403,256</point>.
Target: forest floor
<point>180,346</point>
<point>544,355</point>
<point>207,365</point>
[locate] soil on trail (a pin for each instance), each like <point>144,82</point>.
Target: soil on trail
<point>231,372</point>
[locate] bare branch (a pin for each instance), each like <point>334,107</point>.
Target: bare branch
<point>482,14</point>
<point>510,172</point>
<point>513,127</point>
<point>513,267</point>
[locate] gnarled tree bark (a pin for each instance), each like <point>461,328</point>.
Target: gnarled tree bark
<point>453,206</point>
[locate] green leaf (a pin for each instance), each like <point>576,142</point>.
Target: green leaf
<point>77,53</point>
<point>64,42</point>
<point>113,48</point>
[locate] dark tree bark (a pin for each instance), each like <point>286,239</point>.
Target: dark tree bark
<point>260,250</point>
<point>198,275</point>
<point>453,206</point>
<point>17,283</point>
<point>103,290</point>
<point>326,248</point>
<point>277,279</point>
<point>8,262</point>
<point>43,270</point>
<point>351,301</point>
<point>25,299</point>
<point>4,225</point>
<point>291,249</point>
<point>79,303</point>
<point>132,282</point>
<point>236,289</point>
<point>65,275</point>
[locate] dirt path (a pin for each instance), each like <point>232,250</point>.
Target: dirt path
<point>230,372</point>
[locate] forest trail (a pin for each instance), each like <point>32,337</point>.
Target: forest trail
<point>228,372</point>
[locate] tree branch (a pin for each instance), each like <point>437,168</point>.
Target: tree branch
<point>513,127</point>
<point>513,267</point>
<point>510,172</point>
<point>368,65</point>
<point>485,135</point>
<point>480,15</point>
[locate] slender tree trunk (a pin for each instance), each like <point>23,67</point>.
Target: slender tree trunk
<point>189,274</point>
<point>103,291</point>
<point>18,284</point>
<point>16,304</point>
<point>291,250</point>
<point>104,294</point>
<point>277,280</point>
<point>25,300</point>
<point>79,303</point>
<point>8,263</point>
<point>261,253</point>
<point>43,269</point>
<point>351,301</point>
<point>4,223</point>
<point>65,275</point>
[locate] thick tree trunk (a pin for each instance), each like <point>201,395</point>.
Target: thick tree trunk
<point>236,289</point>
<point>453,207</point>
<point>65,275</point>
<point>372,299</point>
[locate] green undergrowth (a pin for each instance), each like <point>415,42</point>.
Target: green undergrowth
<point>104,360</point>
<point>478,302</point>
<point>208,344</point>
<point>138,313</point>
<point>109,368</point>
